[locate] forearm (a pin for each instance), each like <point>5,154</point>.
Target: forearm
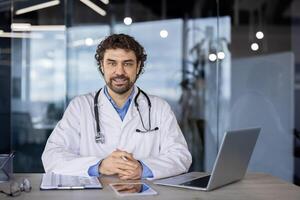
<point>59,160</point>
<point>169,164</point>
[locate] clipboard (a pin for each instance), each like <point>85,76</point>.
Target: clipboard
<point>52,181</point>
<point>5,167</point>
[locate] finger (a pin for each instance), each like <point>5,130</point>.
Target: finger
<point>124,177</point>
<point>125,167</point>
<point>126,164</point>
<point>121,154</point>
<point>135,177</point>
<point>121,172</point>
<point>130,175</point>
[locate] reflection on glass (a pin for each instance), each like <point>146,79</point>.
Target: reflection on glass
<point>83,75</point>
<point>132,189</point>
<point>205,52</point>
<point>38,99</point>
<point>164,61</point>
<point>129,188</point>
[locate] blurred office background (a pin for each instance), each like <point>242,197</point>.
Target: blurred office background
<point>222,65</point>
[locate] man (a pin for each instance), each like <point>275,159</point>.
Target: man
<point>119,130</point>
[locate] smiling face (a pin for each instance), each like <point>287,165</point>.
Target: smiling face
<point>120,69</point>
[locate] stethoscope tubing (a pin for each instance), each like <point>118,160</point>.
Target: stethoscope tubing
<point>99,137</point>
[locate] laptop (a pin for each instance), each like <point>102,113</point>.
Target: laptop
<point>230,165</point>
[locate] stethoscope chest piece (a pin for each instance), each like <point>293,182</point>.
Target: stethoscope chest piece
<point>99,138</point>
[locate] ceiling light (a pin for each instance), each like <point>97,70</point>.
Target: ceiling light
<point>21,35</point>
<point>89,41</point>
<point>221,55</point>
<point>259,35</point>
<point>94,7</point>
<point>127,21</point>
<point>29,27</point>
<point>20,26</point>
<point>212,57</point>
<point>1,31</point>
<point>105,1</point>
<point>163,33</point>
<point>37,7</point>
<point>254,46</point>
<point>48,28</point>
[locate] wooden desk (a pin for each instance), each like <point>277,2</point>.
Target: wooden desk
<point>254,186</point>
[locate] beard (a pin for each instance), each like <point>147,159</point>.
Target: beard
<point>120,84</point>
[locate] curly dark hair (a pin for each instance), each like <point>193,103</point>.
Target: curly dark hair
<point>121,41</point>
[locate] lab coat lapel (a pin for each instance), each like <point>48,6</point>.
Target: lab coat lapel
<point>131,112</point>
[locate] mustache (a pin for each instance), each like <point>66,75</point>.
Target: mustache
<point>120,77</point>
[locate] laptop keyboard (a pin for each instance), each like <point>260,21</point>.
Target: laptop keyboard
<point>199,182</point>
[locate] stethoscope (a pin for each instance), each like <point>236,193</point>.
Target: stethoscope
<point>99,137</point>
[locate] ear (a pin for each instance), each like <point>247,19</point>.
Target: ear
<point>101,67</point>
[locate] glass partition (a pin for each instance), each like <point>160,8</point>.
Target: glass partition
<point>221,65</point>
<point>38,80</point>
<point>257,88</point>
<point>53,61</point>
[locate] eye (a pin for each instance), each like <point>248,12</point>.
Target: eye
<point>111,63</point>
<point>128,64</point>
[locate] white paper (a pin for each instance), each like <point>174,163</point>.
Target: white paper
<point>57,181</point>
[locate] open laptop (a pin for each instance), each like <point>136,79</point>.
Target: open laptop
<point>230,166</point>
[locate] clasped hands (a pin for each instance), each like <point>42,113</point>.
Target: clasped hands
<point>123,164</point>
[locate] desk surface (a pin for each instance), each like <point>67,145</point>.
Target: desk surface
<point>254,186</point>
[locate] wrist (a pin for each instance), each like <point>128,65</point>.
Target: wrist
<point>141,169</point>
<point>100,170</point>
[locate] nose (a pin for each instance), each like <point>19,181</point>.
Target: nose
<point>120,69</point>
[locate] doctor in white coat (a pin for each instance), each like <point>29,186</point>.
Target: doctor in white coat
<point>119,130</point>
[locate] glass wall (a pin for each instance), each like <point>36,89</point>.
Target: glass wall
<point>38,80</point>
<point>5,73</point>
<point>53,61</point>
<point>257,89</point>
<point>221,65</point>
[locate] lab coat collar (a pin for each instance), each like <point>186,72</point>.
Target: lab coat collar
<point>131,112</point>
<point>105,104</point>
<point>102,97</point>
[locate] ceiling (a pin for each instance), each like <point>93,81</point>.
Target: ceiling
<point>271,11</point>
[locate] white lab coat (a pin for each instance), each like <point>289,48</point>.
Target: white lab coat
<point>71,148</point>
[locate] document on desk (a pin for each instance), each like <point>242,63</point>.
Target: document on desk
<point>52,181</point>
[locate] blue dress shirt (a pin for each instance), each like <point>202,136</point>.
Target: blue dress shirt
<point>93,170</point>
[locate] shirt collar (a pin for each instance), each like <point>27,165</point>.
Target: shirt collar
<point>127,102</point>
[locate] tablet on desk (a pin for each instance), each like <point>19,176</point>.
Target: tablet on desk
<point>132,189</point>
